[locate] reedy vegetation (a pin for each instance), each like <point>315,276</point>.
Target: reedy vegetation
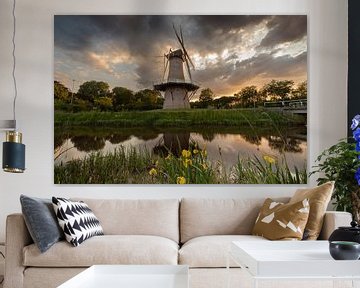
<point>191,167</point>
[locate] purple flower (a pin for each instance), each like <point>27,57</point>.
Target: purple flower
<point>355,122</point>
<point>356,134</point>
<point>357,176</point>
<point>355,126</point>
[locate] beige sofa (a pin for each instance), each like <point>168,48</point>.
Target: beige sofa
<point>194,232</point>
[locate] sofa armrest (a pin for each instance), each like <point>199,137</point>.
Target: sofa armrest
<point>333,220</point>
<point>17,237</point>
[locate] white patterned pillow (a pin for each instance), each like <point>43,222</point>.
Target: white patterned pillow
<point>77,220</point>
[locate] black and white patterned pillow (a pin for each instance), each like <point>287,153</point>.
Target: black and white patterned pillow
<point>77,220</point>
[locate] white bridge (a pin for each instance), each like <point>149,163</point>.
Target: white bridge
<point>298,106</point>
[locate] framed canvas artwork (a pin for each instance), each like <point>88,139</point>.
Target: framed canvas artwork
<point>180,99</point>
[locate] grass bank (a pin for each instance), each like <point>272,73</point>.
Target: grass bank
<point>179,118</point>
<point>129,166</point>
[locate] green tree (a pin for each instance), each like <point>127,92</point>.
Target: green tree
<point>278,89</point>
<point>61,92</point>
<point>160,102</point>
<point>206,97</point>
<point>92,90</point>
<point>224,102</point>
<point>300,92</point>
<point>122,97</point>
<point>104,103</point>
<point>248,96</point>
<point>147,99</point>
<point>81,105</point>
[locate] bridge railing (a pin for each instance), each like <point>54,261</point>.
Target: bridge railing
<point>287,104</point>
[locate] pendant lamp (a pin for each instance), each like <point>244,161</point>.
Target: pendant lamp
<point>13,160</point>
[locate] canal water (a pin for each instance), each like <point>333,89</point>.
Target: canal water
<point>225,144</point>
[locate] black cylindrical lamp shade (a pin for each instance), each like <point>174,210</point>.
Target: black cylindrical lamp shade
<point>13,157</point>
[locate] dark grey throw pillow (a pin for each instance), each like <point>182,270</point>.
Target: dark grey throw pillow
<point>41,221</point>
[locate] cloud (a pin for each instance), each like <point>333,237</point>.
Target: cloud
<point>225,78</point>
<point>228,49</point>
<point>267,64</point>
<point>286,28</point>
<point>109,61</point>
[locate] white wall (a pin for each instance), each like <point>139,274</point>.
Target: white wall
<point>327,31</point>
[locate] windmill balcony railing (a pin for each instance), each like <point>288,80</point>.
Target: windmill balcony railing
<point>177,81</point>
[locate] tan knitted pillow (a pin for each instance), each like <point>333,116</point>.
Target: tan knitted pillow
<point>279,221</point>
<point>319,198</point>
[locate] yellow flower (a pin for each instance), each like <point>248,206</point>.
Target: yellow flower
<point>195,151</point>
<point>181,180</point>
<point>186,153</point>
<point>187,162</point>
<point>204,153</point>
<point>204,166</point>
<point>153,172</point>
<point>269,159</point>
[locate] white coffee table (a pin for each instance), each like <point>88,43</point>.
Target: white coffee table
<point>293,260</point>
<point>131,276</point>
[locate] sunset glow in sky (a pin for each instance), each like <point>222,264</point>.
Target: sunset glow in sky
<point>229,52</point>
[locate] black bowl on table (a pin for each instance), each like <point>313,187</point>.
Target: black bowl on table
<point>344,250</point>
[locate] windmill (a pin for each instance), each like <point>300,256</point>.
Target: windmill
<point>178,91</point>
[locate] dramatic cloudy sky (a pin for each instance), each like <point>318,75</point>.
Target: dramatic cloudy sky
<point>229,52</point>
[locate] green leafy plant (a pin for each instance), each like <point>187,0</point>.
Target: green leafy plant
<point>340,163</point>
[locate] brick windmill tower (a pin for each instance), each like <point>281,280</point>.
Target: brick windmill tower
<point>178,90</point>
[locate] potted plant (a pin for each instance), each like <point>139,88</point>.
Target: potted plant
<point>341,163</point>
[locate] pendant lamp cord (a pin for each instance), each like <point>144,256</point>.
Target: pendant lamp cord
<point>14,60</point>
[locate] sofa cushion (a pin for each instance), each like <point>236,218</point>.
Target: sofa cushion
<point>41,221</point>
<point>77,220</point>
<point>201,217</point>
<point>107,249</point>
<point>35,277</point>
<point>211,251</point>
<point>158,217</point>
<point>319,198</point>
<point>279,221</point>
